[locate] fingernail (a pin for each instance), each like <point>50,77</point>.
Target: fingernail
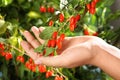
<point>42,28</point>
<point>37,62</point>
<point>34,28</point>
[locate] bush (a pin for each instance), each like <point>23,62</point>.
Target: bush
<point>71,17</point>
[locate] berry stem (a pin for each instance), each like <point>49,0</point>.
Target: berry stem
<point>57,70</point>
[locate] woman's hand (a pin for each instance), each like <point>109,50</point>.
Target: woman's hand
<point>76,51</point>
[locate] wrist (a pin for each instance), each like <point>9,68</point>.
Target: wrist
<point>107,62</point>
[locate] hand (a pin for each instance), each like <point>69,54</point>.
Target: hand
<point>76,51</point>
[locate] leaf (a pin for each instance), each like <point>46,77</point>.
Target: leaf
<point>3,28</point>
<point>47,33</point>
<point>2,22</point>
<point>39,49</point>
<point>33,14</point>
<point>2,40</point>
<point>49,51</point>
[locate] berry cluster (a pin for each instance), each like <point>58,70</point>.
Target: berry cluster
<point>29,64</point>
<point>43,9</point>
<point>56,41</point>
<point>91,6</point>
<point>73,22</point>
<point>7,55</point>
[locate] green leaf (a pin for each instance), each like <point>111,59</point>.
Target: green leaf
<point>3,28</point>
<point>2,22</point>
<point>39,49</point>
<point>4,3</point>
<point>2,40</point>
<point>49,51</point>
<point>33,14</point>
<point>47,33</point>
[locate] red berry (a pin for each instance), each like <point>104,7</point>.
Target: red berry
<point>49,73</point>
<point>86,32</point>
<point>92,11</point>
<point>88,6</point>
<point>52,10</point>
<point>72,27</point>
<point>8,56</point>
<point>42,9</point>
<point>44,52</point>
<point>62,36</point>
<point>20,58</point>
<point>29,66</point>
<point>59,43</point>
<point>58,78</point>
<point>33,68</point>
<point>54,35</point>
<point>27,63</point>
<point>77,17</point>
<point>49,9</point>
<point>53,43</point>
<point>72,20</point>
<point>96,1</point>
<point>1,47</point>
<point>42,68</point>
<point>51,22</point>
<point>51,54</point>
<point>95,34</point>
<point>30,60</point>
<point>49,43</point>
<point>93,4</point>
<point>3,53</point>
<point>61,17</point>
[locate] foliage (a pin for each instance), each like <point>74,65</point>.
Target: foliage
<point>19,15</point>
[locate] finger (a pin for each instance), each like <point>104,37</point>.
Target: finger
<point>29,50</point>
<point>31,39</point>
<point>56,61</point>
<point>37,32</point>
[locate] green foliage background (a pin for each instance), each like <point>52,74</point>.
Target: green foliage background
<point>19,15</point>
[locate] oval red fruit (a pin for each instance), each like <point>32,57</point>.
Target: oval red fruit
<point>54,35</point>
<point>86,32</point>
<point>92,11</point>
<point>95,34</point>
<point>8,56</point>
<point>51,23</point>
<point>62,36</point>
<point>77,17</point>
<point>72,20</point>
<point>59,43</point>
<point>49,43</point>
<point>42,68</point>
<point>58,78</point>
<point>88,6</point>
<point>53,43</point>
<point>61,17</point>
<point>49,73</point>
<point>72,27</point>
<point>52,9</point>
<point>42,9</point>
<point>93,4</point>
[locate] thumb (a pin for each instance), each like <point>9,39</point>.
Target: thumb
<point>55,61</point>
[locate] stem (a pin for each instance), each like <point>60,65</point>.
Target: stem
<point>14,47</point>
<point>63,25</point>
<point>57,70</point>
